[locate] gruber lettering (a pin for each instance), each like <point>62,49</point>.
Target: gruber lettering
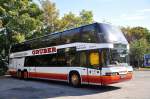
<point>44,51</point>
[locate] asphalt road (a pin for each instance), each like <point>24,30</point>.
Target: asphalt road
<point>137,88</point>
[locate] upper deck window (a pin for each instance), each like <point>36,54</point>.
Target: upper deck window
<point>70,36</point>
<point>88,34</point>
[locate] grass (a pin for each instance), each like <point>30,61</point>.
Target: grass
<point>142,68</point>
<point>148,67</point>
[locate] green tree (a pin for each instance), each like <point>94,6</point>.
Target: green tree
<point>86,17</point>
<point>19,16</point>
<point>71,20</point>
<point>148,37</point>
<point>139,39</point>
<point>137,50</point>
<point>50,16</point>
<point>19,19</point>
<point>135,33</point>
<point>52,21</point>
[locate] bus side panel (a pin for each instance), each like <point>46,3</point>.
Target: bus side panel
<point>31,72</point>
<point>15,65</point>
<point>59,73</point>
<point>12,67</point>
<point>94,76</point>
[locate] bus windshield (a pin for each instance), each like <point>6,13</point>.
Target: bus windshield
<point>112,34</point>
<point>118,56</point>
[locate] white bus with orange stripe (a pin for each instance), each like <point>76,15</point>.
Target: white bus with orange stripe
<point>92,54</point>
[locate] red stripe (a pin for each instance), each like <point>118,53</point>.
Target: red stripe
<point>110,79</point>
<point>12,73</point>
<point>91,79</point>
<point>48,75</point>
<point>115,79</point>
<point>106,79</point>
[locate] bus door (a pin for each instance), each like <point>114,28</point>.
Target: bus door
<point>94,70</point>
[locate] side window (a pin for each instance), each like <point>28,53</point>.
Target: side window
<point>52,60</point>
<point>88,34</point>
<point>83,59</point>
<point>35,44</point>
<point>50,40</point>
<point>61,60</point>
<point>68,56</point>
<point>18,47</point>
<point>72,59</point>
<point>64,57</point>
<point>29,61</point>
<point>49,60</point>
<point>104,57</point>
<point>70,36</point>
<point>55,39</point>
<point>27,46</point>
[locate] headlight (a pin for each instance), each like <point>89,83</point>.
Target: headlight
<point>111,73</point>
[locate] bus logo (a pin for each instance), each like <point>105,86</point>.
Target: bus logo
<point>44,51</point>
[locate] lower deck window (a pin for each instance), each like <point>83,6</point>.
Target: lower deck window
<point>51,60</point>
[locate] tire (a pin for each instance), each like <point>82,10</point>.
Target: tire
<point>19,74</point>
<point>75,80</point>
<point>25,75</point>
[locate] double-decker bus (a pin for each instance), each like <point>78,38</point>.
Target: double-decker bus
<point>92,54</point>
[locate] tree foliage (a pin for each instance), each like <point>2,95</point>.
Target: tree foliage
<point>139,39</point>
<point>50,16</point>
<point>135,33</point>
<point>137,50</point>
<point>71,20</point>
<point>19,19</point>
<point>86,17</point>
<point>53,22</point>
<point>19,16</point>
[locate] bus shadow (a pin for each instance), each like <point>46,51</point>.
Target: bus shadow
<point>63,89</point>
<point>45,89</point>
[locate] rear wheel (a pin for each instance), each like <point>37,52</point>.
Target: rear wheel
<point>75,80</point>
<point>25,75</point>
<point>19,74</point>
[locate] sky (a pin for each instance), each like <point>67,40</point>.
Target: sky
<point>117,12</point>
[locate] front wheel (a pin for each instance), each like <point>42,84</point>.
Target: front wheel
<point>75,80</point>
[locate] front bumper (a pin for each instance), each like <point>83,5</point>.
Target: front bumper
<point>116,79</point>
